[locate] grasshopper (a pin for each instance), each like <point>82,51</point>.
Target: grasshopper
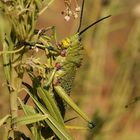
<point>66,65</point>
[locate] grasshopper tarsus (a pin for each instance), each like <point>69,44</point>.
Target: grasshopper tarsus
<point>91,125</point>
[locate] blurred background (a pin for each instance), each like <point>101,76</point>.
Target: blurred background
<point>107,86</point>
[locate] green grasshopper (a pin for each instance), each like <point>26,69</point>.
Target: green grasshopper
<point>66,65</point>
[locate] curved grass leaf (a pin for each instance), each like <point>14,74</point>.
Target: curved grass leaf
<point>29,110</point>
<point>51,104</point>
<point>30,119</point>
<point>46,102</point>
<point>57,128</point>
<point>4,119</point>
<point>76,127</point>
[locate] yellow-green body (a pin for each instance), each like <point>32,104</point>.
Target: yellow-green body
<point>72,61</point>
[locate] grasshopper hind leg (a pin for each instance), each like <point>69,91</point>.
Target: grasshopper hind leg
<point>61,104</point>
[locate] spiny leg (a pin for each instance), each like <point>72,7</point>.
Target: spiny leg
<point>60,91</point>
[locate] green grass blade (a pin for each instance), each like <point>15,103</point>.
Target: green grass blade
<point>30,119</point>
<point>6,62</point>
<point>46,102</point>
<point>28,110</point>
<point>44,9</point>
<point>57,128</point>
<point>47,96</point>
<point>4,119</point>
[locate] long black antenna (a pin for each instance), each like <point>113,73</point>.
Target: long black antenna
<point>81,32</point>
<point>81,15</point>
